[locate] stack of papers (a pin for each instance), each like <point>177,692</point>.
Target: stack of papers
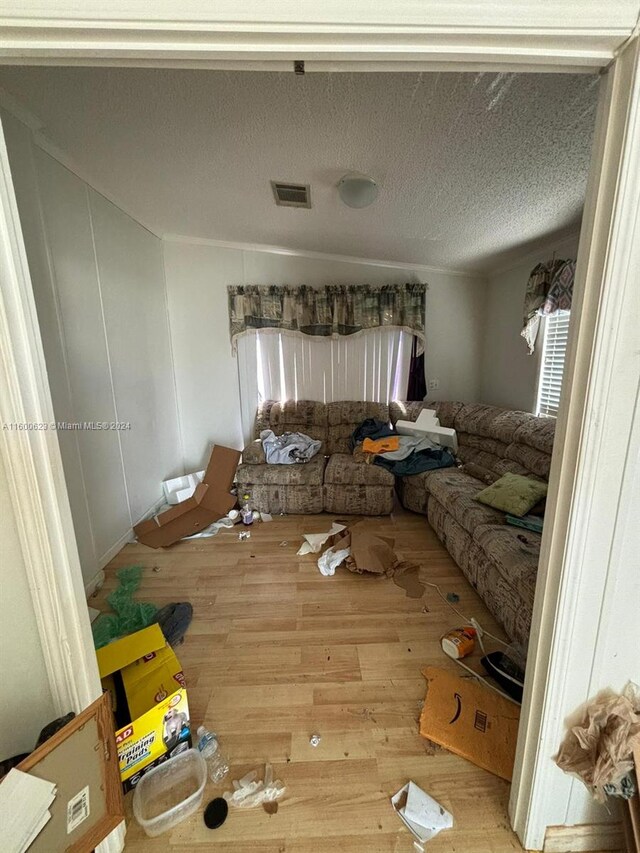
<point>24,809</point>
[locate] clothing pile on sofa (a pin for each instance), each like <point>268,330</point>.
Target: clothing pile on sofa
<point>288,448</point>
<point>379,443</point>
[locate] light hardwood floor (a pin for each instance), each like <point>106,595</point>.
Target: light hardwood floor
<point>276,652</point>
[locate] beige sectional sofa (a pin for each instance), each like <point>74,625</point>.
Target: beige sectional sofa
<point>499,560</point>
<point>332,481</point>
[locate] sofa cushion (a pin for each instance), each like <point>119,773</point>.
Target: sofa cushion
<point>344,417</point>
<point>538,433</point>
<point>342,469</point>
<point>485,475</point>
<point>536,461</point>
<point>489,421</point>
<point>483,442</point>
<point>305,416</point>
<point>301,474</point>
<point>513,493</point>
<point>515,553</point>
<point>456,492</point>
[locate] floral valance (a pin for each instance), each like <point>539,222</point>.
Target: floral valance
<point>328,311</point>
<point>549,289</point>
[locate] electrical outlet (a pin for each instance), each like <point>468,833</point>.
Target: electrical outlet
<point>434,384</point>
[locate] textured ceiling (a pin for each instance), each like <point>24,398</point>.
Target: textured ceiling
<point>472,167</point>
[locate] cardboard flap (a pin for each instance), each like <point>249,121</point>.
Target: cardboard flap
<point>123,652</point>
<point>221,468</point>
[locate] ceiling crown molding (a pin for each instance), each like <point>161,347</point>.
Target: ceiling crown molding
<point>520,34</point>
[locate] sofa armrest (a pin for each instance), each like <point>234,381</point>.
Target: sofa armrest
<point>253,453</point>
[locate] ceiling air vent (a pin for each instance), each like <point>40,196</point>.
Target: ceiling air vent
<point>291,195</point>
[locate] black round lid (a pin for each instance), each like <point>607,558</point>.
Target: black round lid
<point>216,812</point>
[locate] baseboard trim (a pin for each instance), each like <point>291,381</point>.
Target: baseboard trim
<point>128,536</point>
<point>584,837</point>
<point>93,585</point>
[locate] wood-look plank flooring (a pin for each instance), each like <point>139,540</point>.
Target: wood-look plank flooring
<point>277,652</point>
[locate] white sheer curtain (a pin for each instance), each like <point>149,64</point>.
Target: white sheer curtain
<point>273,365</point>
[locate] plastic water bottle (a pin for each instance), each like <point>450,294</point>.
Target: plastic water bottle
<point>210,750</point>
<point>246,511</point>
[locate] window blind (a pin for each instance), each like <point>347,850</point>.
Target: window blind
<point>554,351</point>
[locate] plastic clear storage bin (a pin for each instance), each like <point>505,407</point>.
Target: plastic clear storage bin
<point>170,792</point>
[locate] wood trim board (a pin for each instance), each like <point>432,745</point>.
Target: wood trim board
<point>81,755</point>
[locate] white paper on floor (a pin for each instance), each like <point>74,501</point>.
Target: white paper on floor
<point>313,542</point>
<point>423,816</point>
<point>330,560</point>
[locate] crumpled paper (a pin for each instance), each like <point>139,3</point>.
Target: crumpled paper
<point>331,559</point>
<point>599,750</point>
<point>313,542</point>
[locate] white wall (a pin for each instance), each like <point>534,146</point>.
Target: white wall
<point>197,276</point>
<point>509,373</point>
<point>99,289</point>
<point>26,704</point>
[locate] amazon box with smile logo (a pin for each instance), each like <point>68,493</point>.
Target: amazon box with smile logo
<point>149,698</point>
<point>468,718</point>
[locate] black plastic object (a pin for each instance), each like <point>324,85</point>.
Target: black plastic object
<point>506,672</point>
<point>174,619</point>
<point>216,813</point>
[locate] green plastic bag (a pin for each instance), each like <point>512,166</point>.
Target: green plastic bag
<point>129,615</point>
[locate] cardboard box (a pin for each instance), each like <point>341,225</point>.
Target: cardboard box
<point>210,501</point>
<point>471,720</point>
<point>149,699</point>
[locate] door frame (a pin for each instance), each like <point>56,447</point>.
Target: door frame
<point>525,35</point>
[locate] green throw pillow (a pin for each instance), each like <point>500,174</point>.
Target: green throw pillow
<point>513,493</point>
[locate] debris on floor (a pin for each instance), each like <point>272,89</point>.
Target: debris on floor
<point>231,518</point>
<point>471,720</point>
<point>244,535</point>
<point>174,619</point>
<point>169,793</point>
<point>408,579</point>
<point>361,551</point>
<point>211,500</point>
<point>178,489</point>
<point>209,746</point>
<point>216,813</point>
<point>250,792</point>
<point>599,749</point>
<point>331,559</point>
<point>129,615</point>
<point>423,816</point>
<point>453,597</point>
<point>313,542</point>
<point>151,714</point>
<point>314,740</point>
<point>459,642</point>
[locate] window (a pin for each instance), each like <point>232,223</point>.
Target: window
<point>554,350</point>
<point>373,365</point>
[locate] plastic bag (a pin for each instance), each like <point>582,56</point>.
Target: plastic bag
<point>250,792</point>
<point>599,750</point>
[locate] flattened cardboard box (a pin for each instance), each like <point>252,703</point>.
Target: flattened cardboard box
<point>471,720</point>
<point>210,501</point>
<point>149,699</point>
